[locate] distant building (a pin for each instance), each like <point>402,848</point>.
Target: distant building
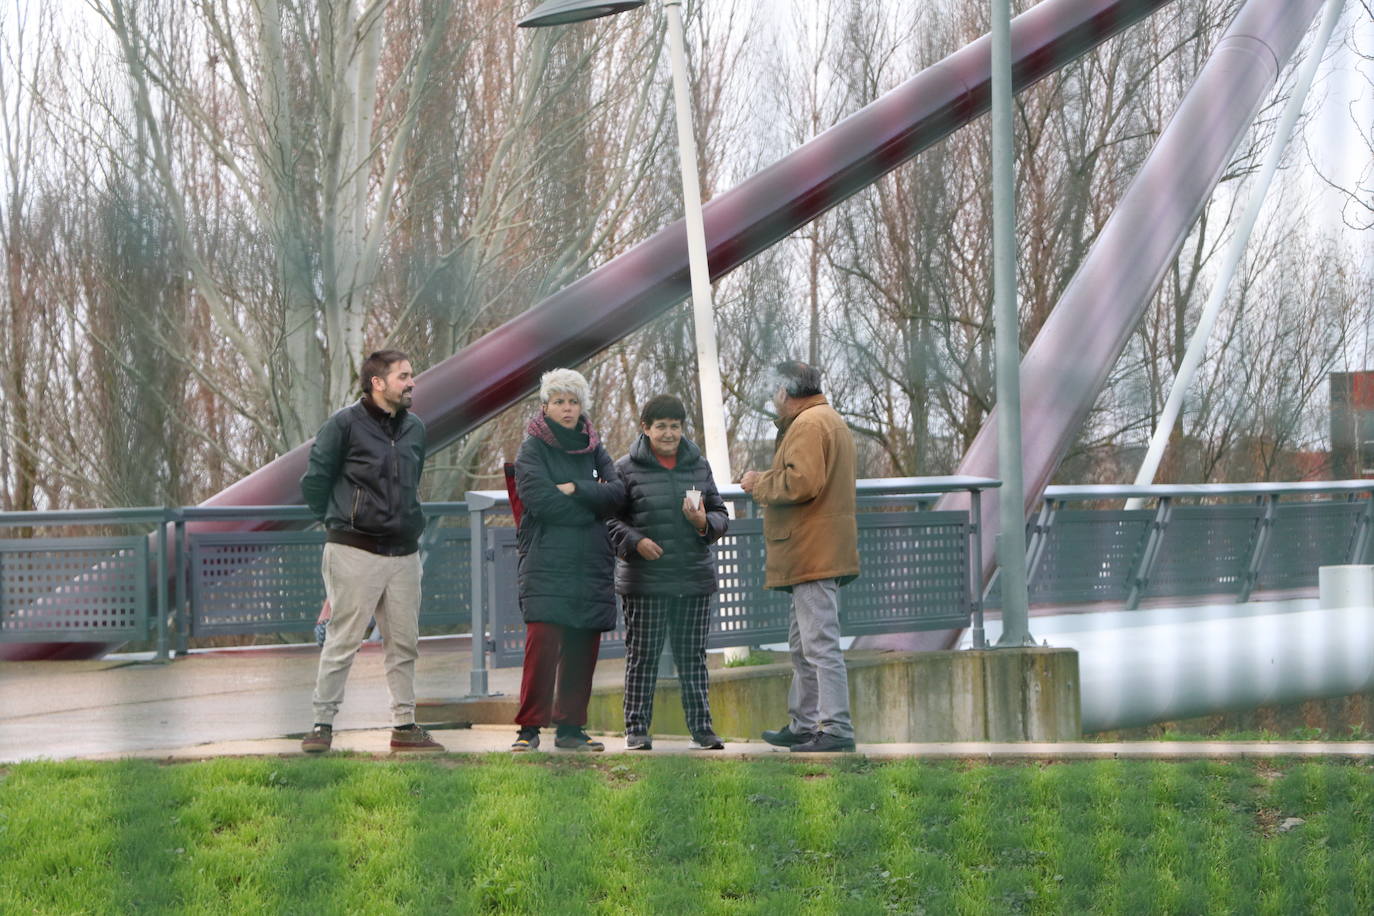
<point>1352,425</point>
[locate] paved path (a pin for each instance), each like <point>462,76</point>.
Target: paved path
<point>228,703</point>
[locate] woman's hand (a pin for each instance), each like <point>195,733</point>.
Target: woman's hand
<point>648,549</point>
<point>567,488</point>
<point>695,514</point>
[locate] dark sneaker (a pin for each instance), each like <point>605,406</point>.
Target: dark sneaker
<point>825,743</point>
<point>706,741</point>
<point>527,739</point>
<point>319,739</point>
<point>785,737</point>
<point>577,740</point>
<point>634,741</point>
<point>413,739</point>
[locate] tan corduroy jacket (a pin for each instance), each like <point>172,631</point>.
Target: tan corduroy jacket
<point>808,499</point>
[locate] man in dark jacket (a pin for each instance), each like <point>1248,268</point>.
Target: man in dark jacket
<point>665,572</point>
<point>363,483</point>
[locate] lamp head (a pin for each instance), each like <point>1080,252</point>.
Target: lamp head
<point>562,12</point>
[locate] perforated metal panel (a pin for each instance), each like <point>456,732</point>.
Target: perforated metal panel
<point>1090,556</point>
<point>1205,551</point>
<point>743,612</point>
<point>503,607</point>
<point>447,588</point>
<point>915,576</point>
<point>78,589</point>
<point>507,624</point>
<point>270,582</point>
<point>1307,536</point>
<point>256,582</point>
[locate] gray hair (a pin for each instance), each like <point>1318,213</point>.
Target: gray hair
<point>797,378</point>
<point>565,381</point>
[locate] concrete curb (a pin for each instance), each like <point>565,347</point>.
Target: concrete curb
<point>496,740</point>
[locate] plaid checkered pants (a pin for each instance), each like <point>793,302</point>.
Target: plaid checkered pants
<point>683,620</point>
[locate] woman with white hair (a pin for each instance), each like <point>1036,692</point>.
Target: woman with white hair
<point>568,484</point>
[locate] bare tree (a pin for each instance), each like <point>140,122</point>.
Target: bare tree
<point>24,63</point>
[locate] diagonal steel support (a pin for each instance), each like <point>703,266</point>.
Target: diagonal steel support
<point>1263,531</point>
<point>1149,554</point>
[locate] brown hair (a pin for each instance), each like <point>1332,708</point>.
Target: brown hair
<point>662,407</point>
<point>377,365</point>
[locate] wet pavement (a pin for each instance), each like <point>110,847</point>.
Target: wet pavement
<point>257,702</point>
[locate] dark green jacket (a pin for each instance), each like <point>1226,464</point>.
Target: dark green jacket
<point>363,481</point>
<point>653,509</point>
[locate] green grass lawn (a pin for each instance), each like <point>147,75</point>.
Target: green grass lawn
<point>681,834</point>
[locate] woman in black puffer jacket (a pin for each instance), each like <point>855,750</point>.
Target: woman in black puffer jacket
<point>665,572</point>
<point>568,484</point>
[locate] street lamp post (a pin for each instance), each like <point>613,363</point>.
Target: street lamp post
<point>1011,543</point>
<point>562,12</point>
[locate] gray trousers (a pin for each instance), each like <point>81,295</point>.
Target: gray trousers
<point>360,585</point>
<point>819,698</point>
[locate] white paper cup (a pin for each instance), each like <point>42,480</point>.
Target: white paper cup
<point>694,498</point>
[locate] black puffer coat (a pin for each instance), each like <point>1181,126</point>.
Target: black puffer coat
<point>566,566</point>
<point>653,509</point>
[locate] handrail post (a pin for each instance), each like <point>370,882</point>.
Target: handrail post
<point>975,572</point>
<point>163,637</point>
<point>477,506</point>
<point>1141,577</point>
<point>181,587</point>
<point>1359,544</point>
<point>1260,548</point>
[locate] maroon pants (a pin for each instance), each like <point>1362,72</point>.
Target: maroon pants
<point>557,681</point>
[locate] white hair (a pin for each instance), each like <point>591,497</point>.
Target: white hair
<point>565,381</point>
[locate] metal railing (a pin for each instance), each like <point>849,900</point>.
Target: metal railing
<point>84,589</point>
<point>917,571</point>
<point>179,575</point>
<point>172,583</point>
<point>209,577</point>
<point>1197,540</point>
<point>268,581</point>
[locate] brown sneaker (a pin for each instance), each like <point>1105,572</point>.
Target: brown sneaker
<point>413,739</point>
<point>319,739</point>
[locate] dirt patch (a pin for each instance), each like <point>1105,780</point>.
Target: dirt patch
<point>1267,822</point>
<point>619,775</point>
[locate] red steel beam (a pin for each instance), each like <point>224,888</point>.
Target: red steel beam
<point>579,321</point>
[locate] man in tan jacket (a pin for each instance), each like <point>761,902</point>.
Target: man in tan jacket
<point>809,526</point>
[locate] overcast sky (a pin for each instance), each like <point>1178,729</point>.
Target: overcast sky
<point>1336,142</point>
<point>1343,99</point>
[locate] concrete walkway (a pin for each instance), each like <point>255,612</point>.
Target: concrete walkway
<point>247,702</point>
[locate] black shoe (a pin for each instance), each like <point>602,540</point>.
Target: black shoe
<point>824,743</point>
<point>527,739</point>
<point>706,741</point>
<point>575,739</point>
<point>635,741</point>
<point>785,737</point>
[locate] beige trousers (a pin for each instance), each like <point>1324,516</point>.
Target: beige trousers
<point>362,585</point>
